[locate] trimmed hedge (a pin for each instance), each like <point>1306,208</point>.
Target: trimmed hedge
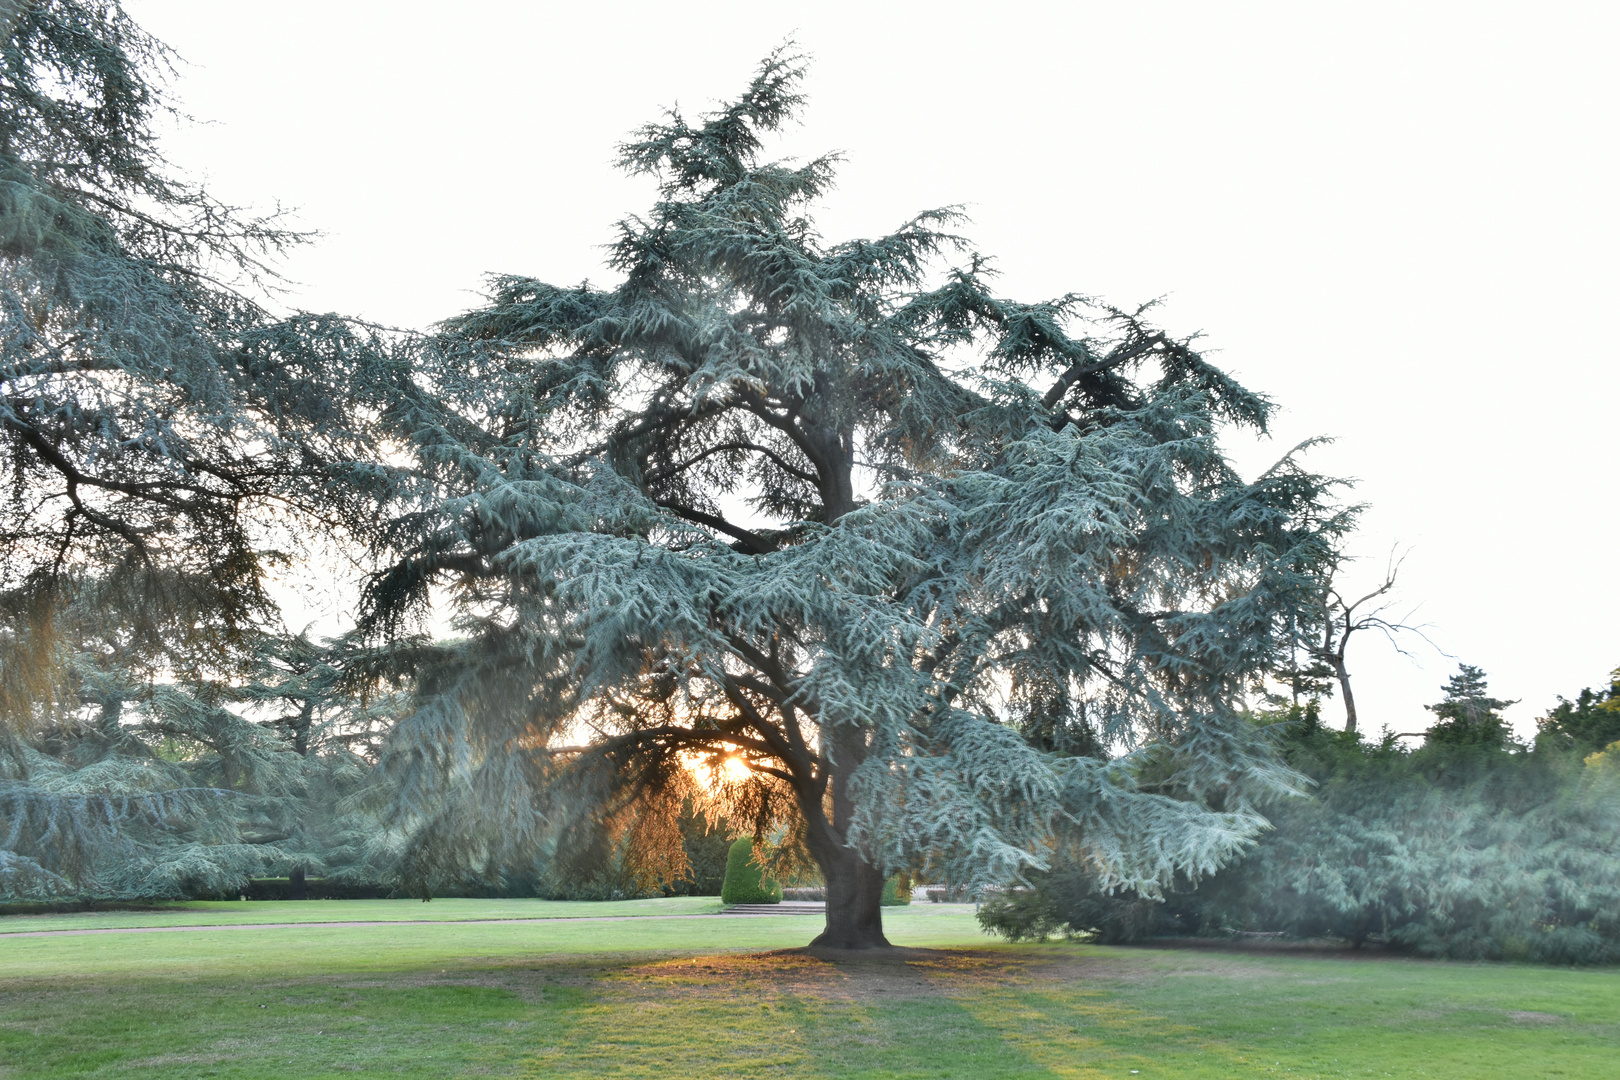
<point>812,893</point>
<point>745,882</point>
<point>896,891</point>
<point>314,889</point>
<point>74,907</point>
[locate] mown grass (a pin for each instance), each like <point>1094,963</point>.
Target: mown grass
<point>235,912</point>
<point>715,998</point>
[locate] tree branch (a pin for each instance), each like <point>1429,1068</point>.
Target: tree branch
<point>753,543</point>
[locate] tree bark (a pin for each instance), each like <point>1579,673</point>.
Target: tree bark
<point>854,886</point>
<point>1349,698</point>
<point>854,898</point>
<point>306,715</point>
<point>297,888</point>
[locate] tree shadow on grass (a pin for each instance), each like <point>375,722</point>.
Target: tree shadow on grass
<point>803,1012</point>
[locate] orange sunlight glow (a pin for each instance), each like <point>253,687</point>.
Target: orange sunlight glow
<point>730,770</point>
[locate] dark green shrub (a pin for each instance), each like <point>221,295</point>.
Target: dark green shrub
<point>896,891</point>
<point>1067,902</point>
<point>745,882</point>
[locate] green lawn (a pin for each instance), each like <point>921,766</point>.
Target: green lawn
<point>227,912</point>
<point>659,997</point>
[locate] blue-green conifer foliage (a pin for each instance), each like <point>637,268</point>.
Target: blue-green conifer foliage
<point>944,574</point>
<point>160,428</point>
<point>1470,846</point>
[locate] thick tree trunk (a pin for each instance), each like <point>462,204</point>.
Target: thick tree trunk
<point>854,896</point>
<point>297,887</point>
<point>854,886</point>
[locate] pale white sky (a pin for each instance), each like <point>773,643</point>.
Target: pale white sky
<point>1398,219</point>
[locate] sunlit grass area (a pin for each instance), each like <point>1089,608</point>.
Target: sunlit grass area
<point>224,913</point>
<point>291,951</point>
<point>732,997</point>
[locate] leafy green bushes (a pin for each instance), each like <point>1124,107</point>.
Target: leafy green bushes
<point>745,882</point>
<point>1467,848</point>
<point>1586,725</point>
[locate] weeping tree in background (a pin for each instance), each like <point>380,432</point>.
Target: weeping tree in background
<point>146,787</point>
<point>331,702</point>
<point>153,414</point>
<point>138,788</point>
<point>917,557</point>
<point>159,428</point>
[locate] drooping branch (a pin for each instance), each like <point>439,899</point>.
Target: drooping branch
<point>770,455</point>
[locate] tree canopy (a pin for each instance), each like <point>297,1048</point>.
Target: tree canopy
<point>156,420</point>
<point>161,430</point>
<point>829,544</point>
<point>945,574</point>
<point>1468,715</point>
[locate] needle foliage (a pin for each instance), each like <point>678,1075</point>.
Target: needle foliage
<point>949,575</point>
<point>166,440</point>
<point>1470,847</point>
<point>140,787</point>
<point>157,423</point>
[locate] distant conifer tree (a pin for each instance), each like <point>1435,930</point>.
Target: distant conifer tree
<point>1468,715</point>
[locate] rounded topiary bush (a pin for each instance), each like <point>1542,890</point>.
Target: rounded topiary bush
<point>745,883</point>
<point>896,891</point>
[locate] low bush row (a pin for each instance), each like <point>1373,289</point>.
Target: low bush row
<point>1471,847</point>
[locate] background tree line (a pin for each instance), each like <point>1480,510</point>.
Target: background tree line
<point>1473,845</point>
